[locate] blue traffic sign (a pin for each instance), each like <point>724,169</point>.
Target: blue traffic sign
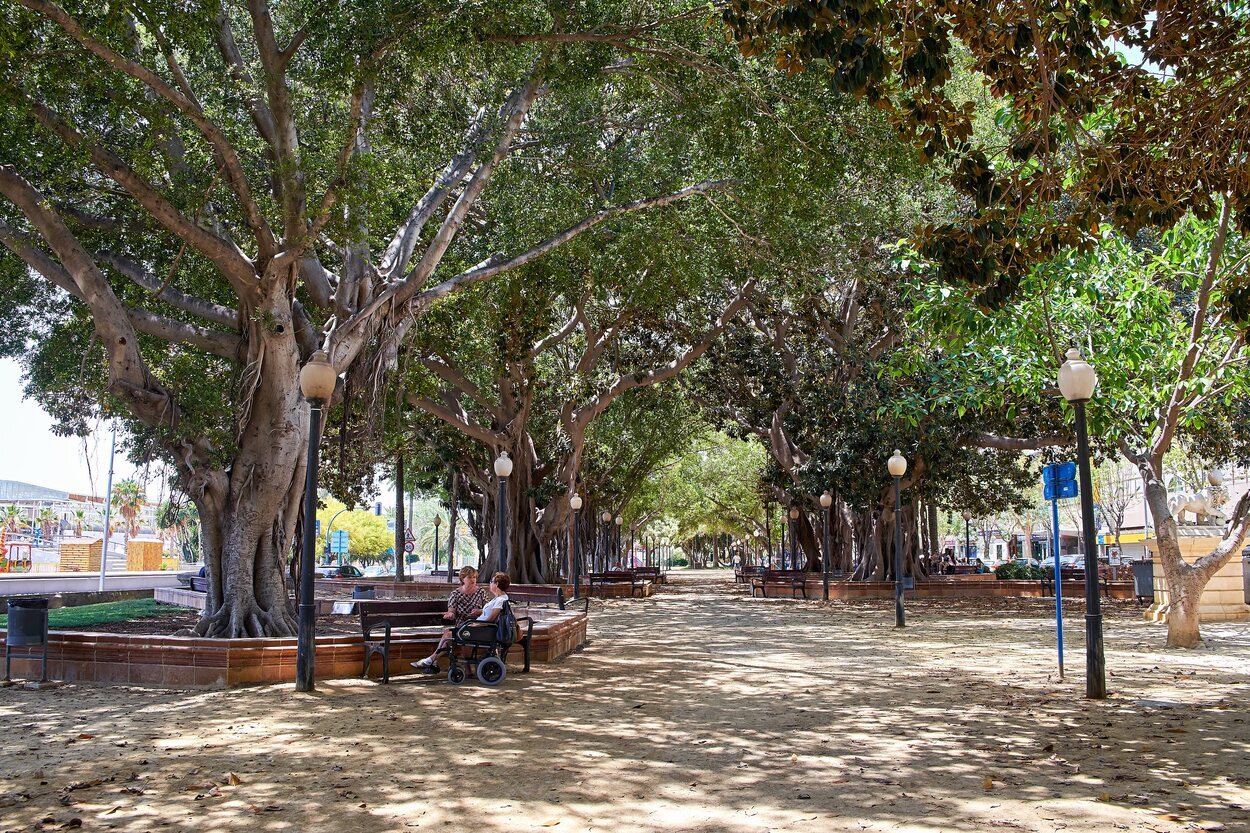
<point>338,541</point>
<point>1059,481</point>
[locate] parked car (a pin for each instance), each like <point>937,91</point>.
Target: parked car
<point>377,571</point>
<point>339,571</point>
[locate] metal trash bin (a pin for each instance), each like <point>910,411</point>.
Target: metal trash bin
<point>1144,579</point>
<point>362,591</point>
<point>28,625</point>
<point>1245,573</point>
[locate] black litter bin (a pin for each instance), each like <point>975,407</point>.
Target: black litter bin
<point>1144,579</point>
<point>28,625</point>
<point>1245,573</point>
<point>363,591</point>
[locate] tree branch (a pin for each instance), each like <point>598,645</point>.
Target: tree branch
<point>497,264</point>
<point>234,265</point>
<point>224,153</point>
<point>459,421</point>
<point>209,311</point>
<point>225,345</point>
<point>986,440</point>
<point>600,402</point>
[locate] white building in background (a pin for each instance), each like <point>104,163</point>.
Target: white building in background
<point>1136,529</point>
<point>33,499</point>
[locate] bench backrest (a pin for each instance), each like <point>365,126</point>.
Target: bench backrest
<point>199,584</point>
<point>646,572</point>
<point>537,594</point>
<point>784,575</point>
<point>399,613</point>
<point>613,575</point>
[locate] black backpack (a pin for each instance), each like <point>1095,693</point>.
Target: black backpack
<point>506,625</point>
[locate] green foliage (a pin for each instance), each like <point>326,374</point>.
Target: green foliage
<point>368,538</point>
<point>1012,571</point>
<point>1084,135</point>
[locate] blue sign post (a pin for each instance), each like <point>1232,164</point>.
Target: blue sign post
<point>338,543</point>
<point>1058,481</point>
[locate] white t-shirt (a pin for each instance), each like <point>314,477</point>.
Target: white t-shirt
<point>494,604</point>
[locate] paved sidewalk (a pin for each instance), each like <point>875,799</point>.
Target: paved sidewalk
<point>697,709</point>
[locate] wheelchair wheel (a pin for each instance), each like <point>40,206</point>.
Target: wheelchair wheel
<point>455,674</point>
<point>491,671</point>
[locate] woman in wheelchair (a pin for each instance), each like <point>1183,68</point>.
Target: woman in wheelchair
<point>499,597</point>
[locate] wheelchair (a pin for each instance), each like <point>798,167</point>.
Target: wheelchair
<point>487,645</point>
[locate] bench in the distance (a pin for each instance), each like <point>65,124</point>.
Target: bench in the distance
<point>796,580</point>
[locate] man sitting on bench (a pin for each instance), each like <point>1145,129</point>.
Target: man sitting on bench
<point>490,612</point>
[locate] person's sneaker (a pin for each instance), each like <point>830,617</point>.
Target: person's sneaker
<point>427,665</point>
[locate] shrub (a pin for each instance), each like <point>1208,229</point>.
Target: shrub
<point>680,561</point>
<point>1009,571</point>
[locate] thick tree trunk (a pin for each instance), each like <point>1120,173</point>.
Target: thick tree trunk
<point>1187,581</point>
<point>248,515</point>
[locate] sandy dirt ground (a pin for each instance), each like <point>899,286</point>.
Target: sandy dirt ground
<point>698,709</point>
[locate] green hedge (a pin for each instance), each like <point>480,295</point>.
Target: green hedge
<point>1017,572</point>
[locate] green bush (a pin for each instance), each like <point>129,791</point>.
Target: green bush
<point>680,561</point>
<point>1012,571</point>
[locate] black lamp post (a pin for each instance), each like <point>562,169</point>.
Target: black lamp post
<point>316,383</point>
<point>897,465</point>
<point>826,500</point>
<point>619,560</point>
<point>794,546</point>
<point>503,468</point>
<point>1077,380</point>
<point>575,503</point>
<point>967,535</point>
<point>438,520</point>
<point>602,559</point>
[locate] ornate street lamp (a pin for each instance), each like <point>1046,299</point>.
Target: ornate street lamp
<point>619,560</point>
<point>503,468</point>
<point>826,500</point>
<point>1077,380</point>
<point>438,521</point>
<point>897,464</point>
<point>794,546</point>
<point>575,503</point>
<point>967,535</point>
<point>316,383</point>
<point>602,559</point>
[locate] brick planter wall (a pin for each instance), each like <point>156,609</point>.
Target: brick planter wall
<point>184,662</point>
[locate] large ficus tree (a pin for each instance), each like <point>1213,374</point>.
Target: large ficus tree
<point>198,196</point>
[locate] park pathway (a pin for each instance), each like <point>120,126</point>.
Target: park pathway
<point>696,709</point>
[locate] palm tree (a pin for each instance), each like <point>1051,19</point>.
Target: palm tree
<point>46,520</point>
<point>128,500</point>
<point>80,517</point>
<point>14,518</point>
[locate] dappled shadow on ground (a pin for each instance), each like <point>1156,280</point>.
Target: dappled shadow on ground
<point>696,709</point>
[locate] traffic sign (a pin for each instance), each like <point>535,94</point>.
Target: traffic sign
<point>338,542</point>
<point>1059,481</point>
<point>409,547</point>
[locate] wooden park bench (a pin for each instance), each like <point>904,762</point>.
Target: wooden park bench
<point>796,580</point>
<point>1077,574</point>
<point>652,574</point>
<point>617,577</point>
<point>393,614</point>
<point>199,584</point>
<point>744,574</point>
<point>548,595</point>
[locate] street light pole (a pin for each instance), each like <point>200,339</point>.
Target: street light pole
<point>619,560</point>
<point>575,503</point>
<point>438,521</point>
<point>897,466</point>
<point>503,468</point>
<point>108,505</point>
<point>794,546</point>
<point>316,382</point>
<point>1077,380</point>
<point>967,535</point>
<point>826,500</point>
